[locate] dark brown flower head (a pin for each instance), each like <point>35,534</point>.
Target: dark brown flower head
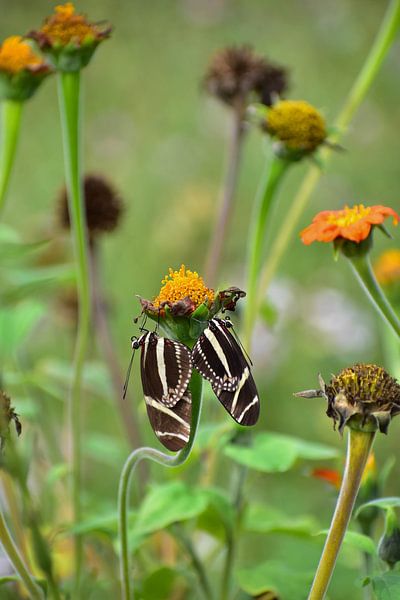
<point>103,206</point>
<point>7,414</point>
<point>364,396</point>
<point>235,73</point>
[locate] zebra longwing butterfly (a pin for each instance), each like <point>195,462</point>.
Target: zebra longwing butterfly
<point>166,368</point>
<point>220,360</point>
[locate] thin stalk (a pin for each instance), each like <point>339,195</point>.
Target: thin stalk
<point>69,94</point>
<point>359,446</point>
<point>161,458</point>
<point>362,267</point>
<point>15,515</point>
<point>106,344</point>
<point>272,177</point>
<point>18,563</point>
<point>10,125</point>
<point>358,91</point>
<point>186,542</point>
<point>227,194</point>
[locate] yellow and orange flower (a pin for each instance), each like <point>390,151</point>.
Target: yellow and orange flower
<point>297,125</point>
<point>17,55</point>
<point>334,477</point>
<point>387,267</point>
<point>353,224</point>
<point>182,284</point>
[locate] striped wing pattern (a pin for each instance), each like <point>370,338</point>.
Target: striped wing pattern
<point>220,360</point>
<point>166,368</point>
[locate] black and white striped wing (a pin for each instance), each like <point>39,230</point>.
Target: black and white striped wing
<point>166,368</point>
<point>171,425</point>
<point>220,360</point>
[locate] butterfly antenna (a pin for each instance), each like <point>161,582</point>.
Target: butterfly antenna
<point>241,345</point>
<point>128,374</point>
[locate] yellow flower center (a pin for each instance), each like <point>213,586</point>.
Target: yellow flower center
<point>181,284</point>
<point>348,216</point>
<point>65,26</point>
<point>387,268</point>
<point>17,55</point>
<point>297,124</point>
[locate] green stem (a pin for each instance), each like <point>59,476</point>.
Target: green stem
<point>272,177</point>
<point>186,542</point>
<point>362,268</point>
<point>359,446</point>
<point>69,93</point>
<point>10,125</point>
<point>363,82</point>
<point>167,460</point>
<point>13,554</point>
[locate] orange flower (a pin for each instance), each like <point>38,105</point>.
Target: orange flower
<point>331,476</point>
<point>352,224</point>
<point>387,267</point>
<point>16,55</point>
<point>182,284</point>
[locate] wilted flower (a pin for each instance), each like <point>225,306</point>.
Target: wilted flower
<point>298,128</point>
<point>363,397</point>
<point>102,203</point>
<point>387,267</point>
<point>237,73</point>
<point>21,69</point>
<point>69,38</point>
<point>7,414</point>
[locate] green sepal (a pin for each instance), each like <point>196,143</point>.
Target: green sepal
<point>71,58</point>
<point>21,86</point>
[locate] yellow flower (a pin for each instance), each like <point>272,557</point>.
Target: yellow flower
<point>387,267</point>
<point>297,124</point>
<point>16,55</point>
<point>182,284</point>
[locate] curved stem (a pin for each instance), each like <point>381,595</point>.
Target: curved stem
<point>69,93</point>
<point>363,82</point>
<point>227,197</point>
<point>362,268</point>
<point>10,125</point>
<point>161,458</point>
<point>272,177</point>
<point>359,446</point>
<point>13,554</point>
<point>186,542</point>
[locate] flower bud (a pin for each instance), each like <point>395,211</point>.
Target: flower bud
<point>21,69</point>
<point>389,544</point>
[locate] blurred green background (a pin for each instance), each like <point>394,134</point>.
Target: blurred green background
<point>151,129</point>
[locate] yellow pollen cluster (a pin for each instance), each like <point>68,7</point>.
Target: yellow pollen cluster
<point>348,216</point>
<point>387,267</point>
<point>17,55</point>
<point>65,26</point>
<point>181,284</point>
<point>297,124</point>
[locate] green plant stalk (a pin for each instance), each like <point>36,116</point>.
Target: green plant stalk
<point>187,544</point>
<point>69,94</point>
<point>13,554</point>
<point>275,169</point>
<point>220,232</point>
<point>11,112</point>
<point>359,446</point>
<point>167,460</point>
<point>362,268</point>
<point>363,82</point>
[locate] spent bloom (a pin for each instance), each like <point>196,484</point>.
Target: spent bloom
<point>387,267</point>
<point>69,38</point>
<point>298,128</point>
<point>7,414</point>
<point>363,396</point>
<point>236,74</point>
<point>21,69</point>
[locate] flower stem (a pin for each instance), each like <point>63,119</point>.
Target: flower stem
<point>13,554</point>
<point>363,269</point>
<point>272,177</point>
<point>167,460</point>
<point>359,446</point>
<point>69,93</point>
<point>363,82</point>
<point>227,196</point>
<point>10,125</point>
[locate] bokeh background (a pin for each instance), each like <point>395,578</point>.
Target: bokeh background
<point>150,127</point>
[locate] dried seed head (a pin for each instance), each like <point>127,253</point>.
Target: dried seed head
<point>236,72</point>
<point>103,206</point>
<point>364,397</point>
<point>7,414</point>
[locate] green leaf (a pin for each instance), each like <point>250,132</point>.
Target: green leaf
<point>16,323</point>
<point>219,515</point>
<point>356,540</point>
<point>12,248</point>
<point>268,519</point>
<point>275,452</point>
<point>159,584</point>
<point>276,577</point>
<point>23,283</point>
<point>383,503</point>
<point>386,586</point>
<point>212,435</point>
<point>169,503</point>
